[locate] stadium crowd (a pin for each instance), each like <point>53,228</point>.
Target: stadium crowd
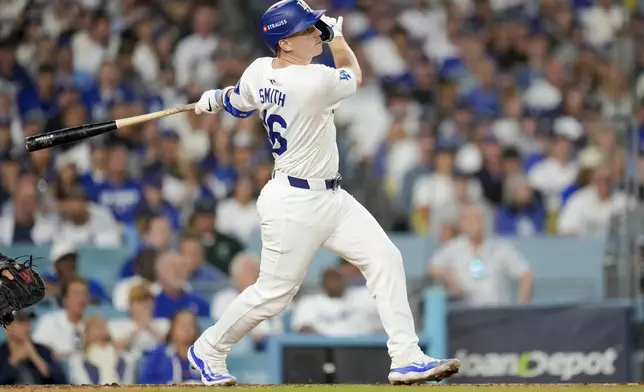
<point>475,117</point>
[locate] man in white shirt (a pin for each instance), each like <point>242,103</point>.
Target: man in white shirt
<point>588,212</point>
<point>555,173</point>
<point>84,222</point>
<point>338,310</point>
<point>478,269</point>
<point>237,216</point>
<point>94,46</point>
<point>602,22</point>
<point>61,330</point>
<point>197,47</point>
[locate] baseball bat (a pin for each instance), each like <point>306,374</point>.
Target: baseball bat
<point>85,131</point>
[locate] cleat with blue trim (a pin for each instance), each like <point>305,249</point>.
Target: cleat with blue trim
<point>427,369</point>
<point>209,376</point>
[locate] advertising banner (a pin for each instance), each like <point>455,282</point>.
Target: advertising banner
<point>542,345</point>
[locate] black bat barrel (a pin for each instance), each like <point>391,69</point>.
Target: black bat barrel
<point>68,135</point>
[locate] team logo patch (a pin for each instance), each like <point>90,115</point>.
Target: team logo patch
<point>344,75</point>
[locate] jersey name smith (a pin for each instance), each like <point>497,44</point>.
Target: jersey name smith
<point>271,95</point>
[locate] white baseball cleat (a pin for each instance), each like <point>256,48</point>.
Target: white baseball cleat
<point>427,369</point>
<point>210,377</point>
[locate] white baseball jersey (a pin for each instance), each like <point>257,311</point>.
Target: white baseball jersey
<point>296,105</point>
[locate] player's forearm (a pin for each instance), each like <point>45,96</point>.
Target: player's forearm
<point>344,57</point>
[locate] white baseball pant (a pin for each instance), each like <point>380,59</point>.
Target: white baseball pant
<point>295,223</point>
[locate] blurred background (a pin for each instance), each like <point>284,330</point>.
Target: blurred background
<point>499,142</point>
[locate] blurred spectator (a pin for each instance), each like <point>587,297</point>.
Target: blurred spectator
<point>144,271</point>
<point>237,216</point>
<point>153,200</point>
<point>426,142</point>
<point>140,331</point>
<point>42,96</point>
<point>467,190</point>
<point>117,192</point>
<point>432,191</point>
<point>522,212</point>
<point>196,47</point>
<point>64,256</point>
<point>337,310</point>
<point>107,96</point>
<point>174,294</point>
<point>24,362</point>
<point>84,222</point>
<point>351,273</point>
<point>22,222</point>
<point>168,363</point>
<point>61,330</point>
<point>202,277</point>
<point>556,172</point>
<point>95,45</point>
<point>244,271</point>
<point>220,248</point>
<point>99,362</point>
<point>478,269</point>
<point>589,159</point>
<point>602,21</point>
<point>156,234</point>
<point>589,211</point>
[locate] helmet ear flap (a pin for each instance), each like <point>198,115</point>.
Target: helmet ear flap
<point>327,32</point>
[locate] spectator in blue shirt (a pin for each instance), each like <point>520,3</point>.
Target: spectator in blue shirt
<point>174,295</point>
<point>522,212</point>
<point>168,363</point>
<point>118,192</point>
<point>106,93</point>
<point>154,201</point>
<point>42,96</point>
<point>10,69</point>
<point>484,99</point>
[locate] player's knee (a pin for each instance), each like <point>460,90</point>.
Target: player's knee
<point>393,259</point>
<point>392,255</point>
<point>269,293</point>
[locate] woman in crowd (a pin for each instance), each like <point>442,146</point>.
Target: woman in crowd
<point>168,363</point>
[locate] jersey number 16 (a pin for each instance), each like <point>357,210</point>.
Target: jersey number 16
<point>274,136</point>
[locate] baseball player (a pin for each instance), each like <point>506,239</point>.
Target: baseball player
<point>303,207</point>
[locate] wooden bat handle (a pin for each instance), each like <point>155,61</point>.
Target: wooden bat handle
<point>126,122</point>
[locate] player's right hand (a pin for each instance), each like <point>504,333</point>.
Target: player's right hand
<point>335,24</point>
<point>209,102</point>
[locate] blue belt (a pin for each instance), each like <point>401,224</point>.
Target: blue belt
<point>301,183</point>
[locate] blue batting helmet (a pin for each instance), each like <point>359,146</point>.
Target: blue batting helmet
<point>288,17</point>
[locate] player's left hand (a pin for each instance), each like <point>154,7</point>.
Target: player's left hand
<point>209,102</point>
<point>335,24</point>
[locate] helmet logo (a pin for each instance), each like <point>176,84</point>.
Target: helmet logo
<point>304,6</point>
<point>274,25</point>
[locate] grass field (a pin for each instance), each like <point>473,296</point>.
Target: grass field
<point>353,388</point>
